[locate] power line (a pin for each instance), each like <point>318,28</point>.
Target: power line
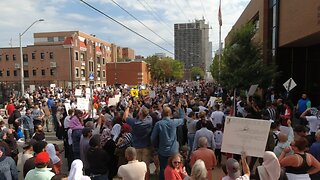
<point>204,10</point>
<point>99,11</point>
<point>188,3</point>
<point>141,22</point>
<point>181,10</point>
<point>155,15</point>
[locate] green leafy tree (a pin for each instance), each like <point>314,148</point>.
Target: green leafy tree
<point>242,62</point>
<point>197,71</point>
<point>165,69</point>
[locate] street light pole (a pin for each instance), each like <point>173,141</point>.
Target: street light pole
<point>21,55</point>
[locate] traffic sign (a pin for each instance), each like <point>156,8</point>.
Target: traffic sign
<point>91,77</point>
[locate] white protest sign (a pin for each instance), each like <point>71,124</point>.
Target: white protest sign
<point>78,92</point>
<point>112,102</point>
<point>179,90</point>
<point>211,102</point>
<point>244,134</point>
<point>152,94</point>
<point>32,88</point>
<point>67,106</point>
<point>52,85</point>
<point>83,104</point>
<point>252,89</point>
<point>289,84</point>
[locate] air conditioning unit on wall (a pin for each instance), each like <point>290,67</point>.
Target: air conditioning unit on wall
<point>53,64</point>
<point>17,66</point>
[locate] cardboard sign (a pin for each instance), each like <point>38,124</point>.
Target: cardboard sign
<point>144,92</point>
<point>244,134</point>
<point>134,92</point>
<point>78,92</point>
<point>67,106</point>
<point>211,101</point>
<point>252,89</point>
<point>179,90</point>
<point>83,104</point>
<point>32,88</point>
<point>289,84</point>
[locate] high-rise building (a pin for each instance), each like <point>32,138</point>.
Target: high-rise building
<point>191,44</point>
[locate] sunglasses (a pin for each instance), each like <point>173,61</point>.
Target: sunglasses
<point>176,162</point>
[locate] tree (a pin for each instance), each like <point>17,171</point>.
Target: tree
<point>195,72</point>
<point>165,69</point>
<point>242,62</point>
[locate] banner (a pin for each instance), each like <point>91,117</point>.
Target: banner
<point>244,134</point>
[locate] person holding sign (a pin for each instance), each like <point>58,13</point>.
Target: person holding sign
<point>233,169</point>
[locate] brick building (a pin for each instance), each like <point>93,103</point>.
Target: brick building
<point>131,73</point>
<point>62,58</point>
<point>290,35</point>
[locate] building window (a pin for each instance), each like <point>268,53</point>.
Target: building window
<point>98,59</point>
<point>15,73</point>
<point>42,55</point>
<point>25,58</point>
<point>91,66</point>
<point>98,74</point>
<point>103,61</point>
<point>51,55</point>
<point>82,57</point>
<point>33,55</point>
<point>7,57</point>
<point>26,73</point>
<point>34,72</point>
<point>8,72</point>
<point>60,38</point>
<point>50,39</point>
<point>0,57</point>
<point>83,73</point>
<point>14,57</point>
<point>43,72</point>
<point>52,72</point>
<point>104,74</point>
<point>0,73</point>
<point>77,55</point>
<point>77,72</point>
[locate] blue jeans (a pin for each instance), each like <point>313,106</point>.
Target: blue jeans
<point>190,142</point>
<point>163,163</point>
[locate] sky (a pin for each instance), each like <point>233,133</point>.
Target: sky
<point>158,15</point>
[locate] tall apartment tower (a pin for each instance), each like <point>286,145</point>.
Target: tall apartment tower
<point>192,46</point>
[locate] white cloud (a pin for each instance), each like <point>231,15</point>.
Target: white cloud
<point>60,15</point>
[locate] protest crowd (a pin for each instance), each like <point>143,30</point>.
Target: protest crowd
<point>117,132</point>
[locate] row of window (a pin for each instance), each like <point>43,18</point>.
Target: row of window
<point>25,56</point>
<point>26,73</point>
<point>82,73</point>
<point>98,59</point>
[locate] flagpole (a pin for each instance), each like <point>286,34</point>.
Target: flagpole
<point>220,24</point>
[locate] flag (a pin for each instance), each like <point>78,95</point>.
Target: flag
<point>219,15</point>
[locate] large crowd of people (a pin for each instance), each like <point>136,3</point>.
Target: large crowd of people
<point>180,132</point>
